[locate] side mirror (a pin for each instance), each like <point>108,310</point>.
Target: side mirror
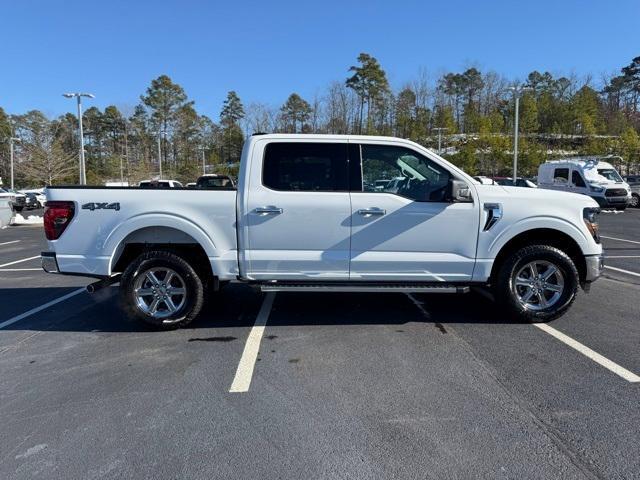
<point>459,191</point>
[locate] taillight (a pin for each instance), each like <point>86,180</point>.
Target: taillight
<point>57,216</point>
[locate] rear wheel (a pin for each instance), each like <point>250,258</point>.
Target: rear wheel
<point>161,289</point>
<point>537,283</point>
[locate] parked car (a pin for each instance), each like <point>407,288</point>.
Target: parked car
<point>632,180</point>
<point>31,201</point>
<point>301,221</point>
<point>18,200</point>
<point>211,180</point>
<point>520,182</point>
<point>635,196</point>
<point>6,211</point>
<point>591,176</point>
<point>191,185</point>
<point>380,184</point>
<point>160,184</point>
<point>484,180</point>
<point>38,192</point>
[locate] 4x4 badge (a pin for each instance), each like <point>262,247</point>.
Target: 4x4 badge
<point>101,206</point>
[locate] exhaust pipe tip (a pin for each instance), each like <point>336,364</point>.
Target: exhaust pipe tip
<point>105,282</point>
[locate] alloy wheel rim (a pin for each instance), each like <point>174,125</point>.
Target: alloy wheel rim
<point>538,285</point>
<point>159,292</point>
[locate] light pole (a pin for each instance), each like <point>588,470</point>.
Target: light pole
<point>11,140</point>
<point>204,166</point>
<point>78,96</point>
<point>517,91</point>
<point>439,130</point>
<point>160,134</point>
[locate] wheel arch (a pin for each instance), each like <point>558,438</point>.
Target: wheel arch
<point>167,233</point>
<point>542,236</point>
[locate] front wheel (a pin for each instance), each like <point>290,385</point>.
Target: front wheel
<point>635,200</point>
<point>537,283</point>
<point>161,289</point>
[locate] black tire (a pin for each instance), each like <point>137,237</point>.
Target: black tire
<point>18,209</point>
<point>505,288</point>
<point>621,208</point>
<point>635,200</point>
<point>158,259</point>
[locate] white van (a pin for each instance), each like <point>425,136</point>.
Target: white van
<point>589,176</point>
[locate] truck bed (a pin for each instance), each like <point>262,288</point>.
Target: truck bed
<point>106,218</point>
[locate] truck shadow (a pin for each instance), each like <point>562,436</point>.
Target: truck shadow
<point>238,305</point>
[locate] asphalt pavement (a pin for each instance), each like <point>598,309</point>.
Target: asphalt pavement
<point>318,385</point>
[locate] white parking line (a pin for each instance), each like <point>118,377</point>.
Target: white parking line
<point>21,269</point>
<point>595,356</point>
<point>244,373</point>
<point>19,261</point>
<point>628,272</point>
<point>7,243</point>
<point>17,318</point>
<point>620,239</point>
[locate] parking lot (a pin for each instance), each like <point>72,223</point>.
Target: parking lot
<point>294,385</point>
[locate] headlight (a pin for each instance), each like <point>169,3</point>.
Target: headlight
<point>590,217</point>
<point>596,189</point>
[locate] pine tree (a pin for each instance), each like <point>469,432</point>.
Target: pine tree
<point>232,136</point>
<point>369,81</point>
<point>295,112</point>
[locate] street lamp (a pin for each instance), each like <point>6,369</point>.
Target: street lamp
<point>439,130</point>
<point>204,166</point>
<point>517,91</point>
<point>11,141</point>
<point>78,96</point>
<point>160,134</point>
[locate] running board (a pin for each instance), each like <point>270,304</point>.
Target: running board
<point>355,288</point>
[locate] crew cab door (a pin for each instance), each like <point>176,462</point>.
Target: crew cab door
<point>298,211</point>
<point>409,231</point>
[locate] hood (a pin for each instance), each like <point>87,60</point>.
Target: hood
<point>503,193</point>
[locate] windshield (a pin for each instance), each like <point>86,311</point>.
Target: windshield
<point>610,174</point>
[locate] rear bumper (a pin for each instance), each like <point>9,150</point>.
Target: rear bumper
<point>595,265</point>
<point>49,262</point>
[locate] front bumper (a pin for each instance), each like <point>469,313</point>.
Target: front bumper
<point>606,202</point>
<point>595,265</point>
<point>49,262</point>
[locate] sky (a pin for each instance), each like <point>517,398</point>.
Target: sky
<point>267,49</point>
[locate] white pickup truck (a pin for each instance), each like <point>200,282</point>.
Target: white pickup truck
<point>308,215</point>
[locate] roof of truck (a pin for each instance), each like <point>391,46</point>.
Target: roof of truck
<point>581,161</point>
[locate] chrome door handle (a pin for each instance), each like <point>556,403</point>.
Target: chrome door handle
<point>269,210</point>
<point>372,211</point>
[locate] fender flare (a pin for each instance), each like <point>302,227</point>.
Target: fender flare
<point>114,241</point>
<point>539,223</point>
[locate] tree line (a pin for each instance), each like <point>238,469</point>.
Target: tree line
<point>473,110</point>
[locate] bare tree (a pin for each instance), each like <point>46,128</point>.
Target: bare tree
<point>46,160</point>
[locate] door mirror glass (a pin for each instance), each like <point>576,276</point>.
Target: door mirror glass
<point>459,191</point>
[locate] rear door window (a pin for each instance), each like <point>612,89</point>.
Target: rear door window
<point>306,167</point>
